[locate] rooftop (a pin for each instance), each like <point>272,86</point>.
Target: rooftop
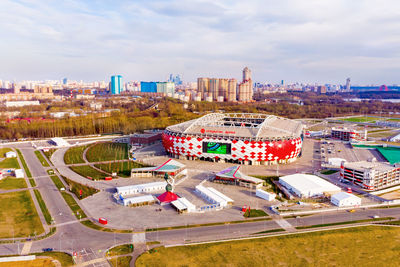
<point>233,172</point>
<point>376,165</point>
<point>305,182</point>
<point>251,125</point>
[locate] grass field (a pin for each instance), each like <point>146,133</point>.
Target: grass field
<point>120,250</point>
<point>328,172</point>
<point>64,258</point>
<point>74,155</point>
<point>122,169</point>
<point>27,171</point>
<point>34,263</point>
<point>12,183</point>
<point>41,158</point>
<point>18,214</point>
<point>107,151</point>
<point>57,182</point>
<point>92,225</point>
<point>328,248</point>
<point>8,163</point>
<point>361,119</point>
<point>121,261</point>
<point>86,171</point>
<point>43,206</point>
<point>254,213</point>
<point>49,153</point>
<point>77,187</point>
<point>76,209</point>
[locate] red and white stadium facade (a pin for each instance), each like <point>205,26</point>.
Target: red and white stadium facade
<point>242,150</point>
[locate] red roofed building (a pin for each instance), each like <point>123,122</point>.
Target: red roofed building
<point>167,197</point>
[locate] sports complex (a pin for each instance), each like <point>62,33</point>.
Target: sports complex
<point>244,138</point>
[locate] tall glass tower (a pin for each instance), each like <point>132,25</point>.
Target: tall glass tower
<point>116,84</point>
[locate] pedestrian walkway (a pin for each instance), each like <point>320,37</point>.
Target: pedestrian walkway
<point>27,248</point>
<point>285,225</point>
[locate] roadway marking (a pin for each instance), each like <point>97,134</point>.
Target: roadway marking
<point>65,223</point>
<point>27,248</point>
<point>284,224</point>
<point>86,263</point>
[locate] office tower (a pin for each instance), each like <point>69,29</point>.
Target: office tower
<point>116,84</point>
<point>242,92</point>
<point>202,87</point>
<point>213,88</point>
<point>223,89</point>
<point>348,84</point>
<point>231,94</point>
<point>246,74</point>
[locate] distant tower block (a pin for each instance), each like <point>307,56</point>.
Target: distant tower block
<point>246,74</point>
<point>348,84</point>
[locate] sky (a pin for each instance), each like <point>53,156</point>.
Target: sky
<point>321,41</point>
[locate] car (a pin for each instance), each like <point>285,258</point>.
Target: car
<point>351,210</point>
<point>375,216</point>
<point>47,249</point>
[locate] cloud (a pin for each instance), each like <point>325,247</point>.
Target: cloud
<point>296,40</point>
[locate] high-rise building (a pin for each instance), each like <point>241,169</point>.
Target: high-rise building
<point>348,84</point>
<point>116,84</point>
<point>223,89</point>
<point>231,94</point>
<point>202,87</point>
<point>246,74</point>
<point>213,87</point>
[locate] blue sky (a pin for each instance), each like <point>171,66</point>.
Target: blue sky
<point>295,40</point>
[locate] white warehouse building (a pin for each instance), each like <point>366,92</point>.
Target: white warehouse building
<point>307,185</point>
<point>265,195</point>
<point>343,199</point>
<point>141,188</point>
<point>213,196</point>
<point>138,200</point>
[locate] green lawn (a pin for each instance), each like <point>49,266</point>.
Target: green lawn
<point>27,171</point>
<point>107,151</point>
<point>12,183</point>
<point>57,182</point>
<point>122,169</point>
<point>121,261</point>
<point>18,214</point>
<point>328,172</point>
<point>74,155</point>
<point>360,246</point>
<point>64,258</point>
<point>77,187</point>
<point>254,213</point>
<point>86,171</point>
<point>120,250</point>
<point>343,223</point>
<point>76,209</point>
<point>361,119</point>
<point>8,163</point>
<point>41,158</point>
<point>43,206</point>
<point>49,153</point>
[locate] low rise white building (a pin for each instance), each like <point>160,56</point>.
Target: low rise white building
<point>183,205</point>
<point>138,200</point>
<point>344,199</point>
<point>265,195</point>
<point>11,154</point>
<point>21,103</point>
<point>58,141</point>
<point>141,188</point>
<point>213,196</point>
<point>307,185</point>
<point>336,161</point>
<point>19,173</point>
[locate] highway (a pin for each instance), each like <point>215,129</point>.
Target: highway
<point>72,236</point>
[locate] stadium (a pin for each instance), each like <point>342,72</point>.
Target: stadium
<point>244,138</point>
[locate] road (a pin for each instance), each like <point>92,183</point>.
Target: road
<point>72,236</point>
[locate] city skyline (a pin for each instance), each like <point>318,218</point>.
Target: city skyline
<point>323,42</point>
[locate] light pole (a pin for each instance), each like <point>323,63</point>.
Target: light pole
<point>60,239</point>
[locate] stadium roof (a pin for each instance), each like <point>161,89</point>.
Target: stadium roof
<point>251,125</point>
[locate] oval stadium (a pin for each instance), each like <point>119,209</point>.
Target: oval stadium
<point>244,138</point>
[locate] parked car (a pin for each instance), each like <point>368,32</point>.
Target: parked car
<point>47,249</point>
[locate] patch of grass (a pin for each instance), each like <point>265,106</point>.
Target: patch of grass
<point>9,163</point>
<point>76,209</point>
<point>12,183</point>
<point>327,248</point>
<point>32,182</point>
<point>343,223</point>
<point>87,171</point>
<point>41,158</point>
<point>38,262</point>
<point>43,206</point>
<point>269,182</point>
<point>50,172</point>
<point>391,223</point>
<point>270,231</point>
<point>75,155</point>
<point>121,261</point>
<point>27,171</point>
<point>107,152</point>
<point>122,169</point>
<point>94,226</point>
<point>328,172</point>
<point>361,119</point>
<point>254,213</point>
<point>64,258</point>
<point>120,250</point>
<point>57,182</point>
<point>18,215</point>
<point>153,243</point>
<point>76,188</point>
<point>49,153</point>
